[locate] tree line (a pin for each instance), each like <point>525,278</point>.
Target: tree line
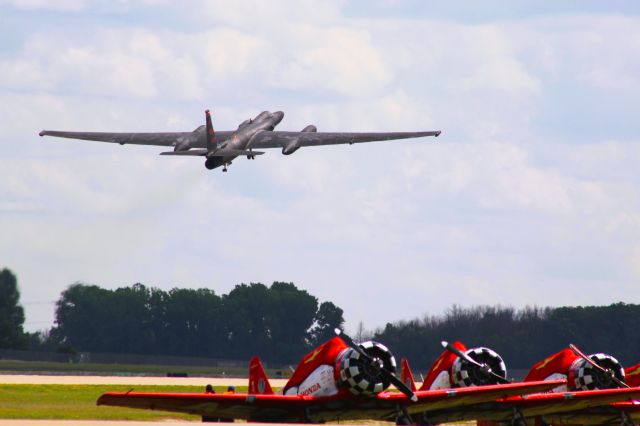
<point>281,322</point>
<point>521,336</point>
<point>12,335</point>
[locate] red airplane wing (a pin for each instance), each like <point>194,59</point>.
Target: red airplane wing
<point>287,408</point>
<point>557,405</point>
<point>455,399</point>
<point>233,406</point>
<point>612,414</point>
<point>533,405</point>
<point>631,407</point>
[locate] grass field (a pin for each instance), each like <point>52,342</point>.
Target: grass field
<point>78,402</point>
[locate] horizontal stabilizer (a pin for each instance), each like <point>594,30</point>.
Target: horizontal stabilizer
<point>230,152</point>
<point>218,153</point>
<point>196,152</point>
<point>225,152</point>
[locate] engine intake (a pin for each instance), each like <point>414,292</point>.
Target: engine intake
<point>585,376</point>
<point>466,374</point>
<point>291,147</point>
<point>362,377</point>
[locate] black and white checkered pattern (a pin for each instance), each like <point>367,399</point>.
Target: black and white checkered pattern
<point>465,374</point>
<point>358,376</point>
<point>587,377</point>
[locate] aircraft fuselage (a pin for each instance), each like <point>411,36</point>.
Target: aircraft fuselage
<point>241,138</point>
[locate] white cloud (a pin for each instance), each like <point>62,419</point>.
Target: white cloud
<point>501,74</point>
<point>496,66</point>
<point>63,5</point>
<point>259,16</point>
<point>489,212</point>
<point>23,74</point>
<point>336,59</point>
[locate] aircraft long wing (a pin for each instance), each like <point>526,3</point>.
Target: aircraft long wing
<point>286,408</point>
<point>276,139</point>
<point>157,139</point>
<point>279,139</point>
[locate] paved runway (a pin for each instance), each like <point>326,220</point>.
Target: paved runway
<point>35,379</point>
<point>95,423</point>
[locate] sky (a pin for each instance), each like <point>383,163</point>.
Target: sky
<point>530,196</point>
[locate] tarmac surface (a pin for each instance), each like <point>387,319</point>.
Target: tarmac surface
<point>34,379</point>
<point>95,423</point>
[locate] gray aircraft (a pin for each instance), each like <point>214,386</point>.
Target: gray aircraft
<point>222,147</point>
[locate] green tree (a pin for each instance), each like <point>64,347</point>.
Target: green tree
<point>327,318</point>
<point>11,313</point>
<point>291,314</point>
<point>83,320</point>
<point>275,322</point>
<point>131,320</point>
<point>245,310</point>
<point>521,337</point>
<point>191,323</point>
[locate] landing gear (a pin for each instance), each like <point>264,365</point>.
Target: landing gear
<point>224,168</point>
<point>625,419</point>
<point>403,417</point>
<point>518,419</point>
<point>250,156</point>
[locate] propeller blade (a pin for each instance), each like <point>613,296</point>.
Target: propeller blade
<point>620,382</point>
<point>386,373</point>
<point>349,341</point>
<point>448,346</point>
<point>482,367</point>
<point>582,355</point>
<point>399,385</point>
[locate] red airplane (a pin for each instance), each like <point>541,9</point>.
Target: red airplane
<point>596,395</point>
<point>339,380</point>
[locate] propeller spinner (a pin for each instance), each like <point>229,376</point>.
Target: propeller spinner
<point>609,374</point>
<point>484,369</point>
<point>375,364</point>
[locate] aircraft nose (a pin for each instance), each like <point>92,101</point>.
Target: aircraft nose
<point>278,116</point>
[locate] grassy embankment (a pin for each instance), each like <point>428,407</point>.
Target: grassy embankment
<point>76,402</point>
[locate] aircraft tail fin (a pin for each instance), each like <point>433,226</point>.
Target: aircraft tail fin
<point>212,144</point>
<point>406,375</point>
<point>439,376</point>
<point>258,381</point>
